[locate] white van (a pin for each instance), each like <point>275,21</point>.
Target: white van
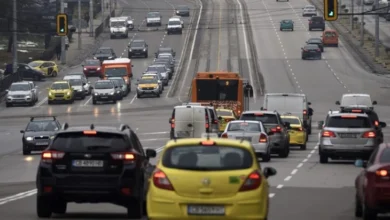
<point>189,121</point>
<point>119,27</point>
<point>175,25</point>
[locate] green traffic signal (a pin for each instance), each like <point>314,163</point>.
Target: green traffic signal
<point>331,14</point>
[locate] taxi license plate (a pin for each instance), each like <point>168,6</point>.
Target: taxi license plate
<point>42,143</point>
<point>205,210</point>
<point>87,163</point>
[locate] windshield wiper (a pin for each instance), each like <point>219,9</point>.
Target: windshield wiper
<point>97,147</point>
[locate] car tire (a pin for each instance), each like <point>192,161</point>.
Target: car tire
<point>266,157</point>
<point>323,158</point>
<point>44,207</point>
<point>83,97</point>
<point>358,207</point>
<point>309,29</point>
<point>36,78</point>
<point>368,213</point>
<point>303,147</point>
<point>8,105</point>
<point>114,101</point>
<point>336,45</point>
<point>54,74</point>
<point>292,29</point>
<point>26,152</point>
<point>129,56</point>
<point>31,103</point>
<point>303,58</point>
<point>49,102</point>
<point>158,95</point>
<point>281,29</point>
<point>284,152</point>
<point>146,55</point>
<point>135,209</point>
<point>59,207</point>
<point>94,102</point>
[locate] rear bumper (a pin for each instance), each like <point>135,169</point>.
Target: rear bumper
<point>88,73</point>
<point>298,139</point>
<point>245,205</point>
<point>101,99</point>
<point>261,148</point>
<point>33,146</point>
<point>346,152</point>
<point>317,26</point>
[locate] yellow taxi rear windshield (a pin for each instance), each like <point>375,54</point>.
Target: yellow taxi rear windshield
<point>293,121</point>
<point>207,158</point>
<point>58,86</point>
<point>224,113</point>
<point>148,81</point>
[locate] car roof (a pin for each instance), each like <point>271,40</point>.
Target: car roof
<point>38,61</point>
<point>285,94</point>
<point>138,40</point>
<point>241,121</point>
<point>104,48</point>
<point>341,114</point>
<point>103,80</point>
<point>189,106</point>
<point>355,94</point>
<point>165,54</point>
<point>106,129</point>
<point>219,142</point>
<point>61,81</point>
<point>174,19</point>
<point>114,77</point>
<point>289,116</point>
<point>72,76</point>
<point>224,110</point>
<point>157,65</point>
<point>259,111</point>
<point>18,83</point>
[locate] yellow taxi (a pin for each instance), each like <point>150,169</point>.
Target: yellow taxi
<point>298,135</point>
<point>202,178</point>
<point>148,86</point>
<point>49,68</point>
<point>225,116</point>
<point>60,91</point>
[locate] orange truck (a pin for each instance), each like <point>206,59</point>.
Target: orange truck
<point>221,89</point>
<point>120,67</point>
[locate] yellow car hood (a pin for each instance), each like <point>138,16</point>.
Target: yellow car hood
<point>147,85</point>
<point>60,91</point>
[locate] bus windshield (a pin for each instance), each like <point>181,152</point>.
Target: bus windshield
<point>113,72</point>
<point>211,89</point>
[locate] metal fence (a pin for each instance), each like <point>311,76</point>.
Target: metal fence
<point>99,30</point>
<point>6,81</point>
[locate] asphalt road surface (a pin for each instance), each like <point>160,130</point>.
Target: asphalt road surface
<point>303,189</point>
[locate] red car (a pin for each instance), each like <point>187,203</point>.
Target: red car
<point>92,68</point>
<point>373,184</point>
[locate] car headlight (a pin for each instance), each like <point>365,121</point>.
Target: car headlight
<point>156,87</point>
<point>130,49</point>
<point>95,58</point>
<point>27,96</point>
<point>85,68</point>
<point>112,93</point>
<point>177,11</point>
<point>109,57</point>
<point>118,91</point>
<point>96,94</point>
<point>98,68</point>
<point>144,49</point>
<point>68,93</point>
<point>51,137</point>
<point>29,138</point>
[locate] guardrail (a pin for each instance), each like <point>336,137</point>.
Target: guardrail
<point>99,30</point>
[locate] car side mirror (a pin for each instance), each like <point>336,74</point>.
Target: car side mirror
<point>91,87</point>
<point>287,125</point>
<point>174,53</point>
<point>6,90</point>
<point>132,65</point>
<point>382,124</point>
<point>320,124</point>
<point>360,163</point>
<point>269,171</point>
<point>219,118</point>
<point>84,84</point>
<point>21,131</point>
<point>151,153</point>
<point>374,102</point>
<point>309,103</point>
<point>170,121</point>
<point>301,48</point>
<point>337,102</point>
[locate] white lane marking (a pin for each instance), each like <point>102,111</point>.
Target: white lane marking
<point>287,178</point>
<point>191,52</point>
<point>89,99</point>
<point>134,98</point>
<point>279,186</point>
<point>41,102</point>
<point>17,196</point>
<point>247,50</point>
<point>294,171</point>
<point>160,132</point>
<point>271,195</point>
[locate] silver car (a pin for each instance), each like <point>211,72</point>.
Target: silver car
<point>161,69</point>
<point>21,93</point>
<point>87,85</point>
<point>347,136</point>
<point>124,88</point>
<point>252,131</point>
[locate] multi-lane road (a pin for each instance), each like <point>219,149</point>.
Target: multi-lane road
<point>221,39</point>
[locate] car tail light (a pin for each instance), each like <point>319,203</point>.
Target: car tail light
<point>215,121</point>
<point>263,138</point>
<point>207,123</point>
<point>276,129</point>
<point>328,134</point>
<point>369,134</point>
<point>356,110</point>
<point>228,120</point>
<point>310,22</point>
<point>305,112</point>
<point>318,50</point>
<point>125,157</point>
<point>305,50</point>
<point>49,156</point>
<point>224,135</point>
<point>382,175</point>
<point>253,181</point>
<point>160,180</point>
<point>173,123</point>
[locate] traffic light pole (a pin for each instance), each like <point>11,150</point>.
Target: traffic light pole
<point>15,40</point>
<point>377,30</point>
<point>353,10</point>
<point>91,18</point>
<point>79,28</point>
<point>63,51</point>
<point>362,24</point>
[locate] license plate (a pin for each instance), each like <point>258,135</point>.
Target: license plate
<point>244,138</point>
<point>104,97</point>
<point>42,143</point>
<point>205,210</point>
<point>92,71</point>
<point>88,163</point>
<point>348,135</point>
<point>182,134</point>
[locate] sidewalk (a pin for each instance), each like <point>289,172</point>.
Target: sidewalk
<point>384,26</point>
<point>74,56</point>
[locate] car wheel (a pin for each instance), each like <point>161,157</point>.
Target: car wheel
<point>281,29</point>
<point>309,29</point>
<point>94,102</point>
<point>266,157</point>
<point>147,54</point>
<point>138,96</point>
<point>135,209</point>
<point>8,105</point>
<point>44,207</point>
<point>292,29</point>
<point>26,152</point>
<point>114,101</point>
<point>37,78</point>
<point>368,213</point>
<point>284,152</point>
<point>336,45</point>
<point>59,207</point>
<point>49,102</point>
<point>158,95</point>
<point>83,97</point>
<point>31,103</point>
<point>54,74</point>
<point>129,56</point>
<point>303,147</point>
<point>323,158</point>
<point>358,207</point>
<point>303,58</point>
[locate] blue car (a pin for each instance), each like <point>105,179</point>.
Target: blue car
<point>286,25</point>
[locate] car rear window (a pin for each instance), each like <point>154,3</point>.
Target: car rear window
<point>317,18</point>
<point>264,118</point>
<point>224,113</point>
<point>385,156</point>
<point>291,120</point>
<point>342,122</point>
<point>79,142</point>
<point>189,114</point>
<point>207,158</point>
<point>244,126</point>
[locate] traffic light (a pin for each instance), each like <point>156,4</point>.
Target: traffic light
<point>330,10</point>
<point>62,24</point>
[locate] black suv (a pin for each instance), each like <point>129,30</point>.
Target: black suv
<point>277,130</point>
<point>94,165</point>
<point>317,41</point>
<point>104,53</point>
<point>138,48</point>
<point>316,22</point>
<point>38,133</point>
<point>373,118</point>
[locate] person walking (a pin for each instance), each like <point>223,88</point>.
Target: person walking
<point>58,51</point>
<point>87,18</point>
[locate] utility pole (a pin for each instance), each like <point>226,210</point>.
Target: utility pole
<point>91,18</point>
<point>110,7</point>
<point>79,29</point>
<point>377,29</point>
<point>102,10</point>
<point>362,25</point>
<point>353,10</point>
<point>15,39</point>
<point>63,51</point>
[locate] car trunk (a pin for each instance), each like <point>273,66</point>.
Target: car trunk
<point>252,137</point>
